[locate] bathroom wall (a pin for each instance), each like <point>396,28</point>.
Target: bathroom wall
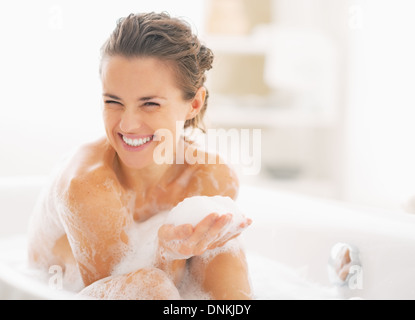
<point>381,109</point>
<point>284,70</point>
<point>355,144</point>
<point>51,95</point>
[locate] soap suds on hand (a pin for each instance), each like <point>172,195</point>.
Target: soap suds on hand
<point>143,236</point>
<point>192,210</point>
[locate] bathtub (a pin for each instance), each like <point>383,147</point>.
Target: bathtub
<point>287,246</point>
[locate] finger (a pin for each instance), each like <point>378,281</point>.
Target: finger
<point>214,233</point>
<point>188,246</point>
<point>183,231</point>
<point>169,232</point>
<point>245,224</point>
<point>203,227</point>
<point>165,231</point>
<point>220,241</point>
<point>218,228</point>
<point>219,225</point>
<point>223,239</point>
<point>248,222</point>
<point>234,230</point>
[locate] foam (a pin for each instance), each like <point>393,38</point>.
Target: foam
<point>143,284</point>
<point>140,253</point>
<point>143,236</point>
<point>143,241</point>
<point>270,279</point>
<point>190,288</point>
<point>192,210</point>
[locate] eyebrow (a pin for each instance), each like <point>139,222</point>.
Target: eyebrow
<point>141,99</point>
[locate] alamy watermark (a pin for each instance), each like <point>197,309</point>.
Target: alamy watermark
<point>55,18</point>
<point>355,17</point>
<point>56,278</point>
<point>235,146</point>
<point>355,277</point>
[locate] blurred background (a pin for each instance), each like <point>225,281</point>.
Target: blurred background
<point>329,83</point>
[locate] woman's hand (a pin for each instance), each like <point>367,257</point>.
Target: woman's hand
<point>185,241</point>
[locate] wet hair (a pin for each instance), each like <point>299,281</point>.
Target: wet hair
<point>160,36</point>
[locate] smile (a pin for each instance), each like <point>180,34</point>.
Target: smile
<point>137,142</point>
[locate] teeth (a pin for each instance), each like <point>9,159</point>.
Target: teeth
<point>136,142</point>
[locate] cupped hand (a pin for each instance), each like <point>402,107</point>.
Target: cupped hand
<point>185,241</point>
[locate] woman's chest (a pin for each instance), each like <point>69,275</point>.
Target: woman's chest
<point>150,204</point>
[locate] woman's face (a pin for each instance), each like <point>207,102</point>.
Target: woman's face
<point>140,96</point>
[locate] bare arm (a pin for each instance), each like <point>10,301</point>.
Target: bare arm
<point>94,223</point>
<point>191,243</point>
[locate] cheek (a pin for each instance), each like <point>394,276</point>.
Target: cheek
<point>181,111</point>
<point>178,120</point>
<point>171,125</point>
<point>110,122</point>
<point>110,117</point>
<point>174,113</point>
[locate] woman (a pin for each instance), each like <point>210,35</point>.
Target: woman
<point>153,73</point>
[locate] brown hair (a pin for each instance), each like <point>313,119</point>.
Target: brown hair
<point>161,36</point>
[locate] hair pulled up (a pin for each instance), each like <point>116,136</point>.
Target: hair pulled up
<point>160,36</point>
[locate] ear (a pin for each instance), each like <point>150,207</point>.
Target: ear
<point>197,103</point>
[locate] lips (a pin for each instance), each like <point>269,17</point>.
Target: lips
<point>135,141</point>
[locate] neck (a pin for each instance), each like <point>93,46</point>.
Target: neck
<point>142,179</point>
<point>151,176</point>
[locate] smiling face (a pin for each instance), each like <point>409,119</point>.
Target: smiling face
<point>140,96</point>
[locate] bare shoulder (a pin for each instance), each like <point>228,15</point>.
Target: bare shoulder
<point>90,156</point>
<point>94,218</point>
<point>214,177</point>
<point>89,173</point>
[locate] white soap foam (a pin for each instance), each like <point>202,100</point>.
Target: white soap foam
<point>143,236</point>
<point>191,289</point>
<point>144,284</point>
<point>270,279</point>
<point>143,240</point>
<point>192,210</point>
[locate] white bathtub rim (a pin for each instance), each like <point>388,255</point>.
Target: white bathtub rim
<point>290,214</point>
<point>26,288</point>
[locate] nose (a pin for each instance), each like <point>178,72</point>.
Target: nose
<point>130,121</point>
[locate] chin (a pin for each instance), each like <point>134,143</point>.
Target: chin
<point>136,162</point>
<point>133,158</point>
